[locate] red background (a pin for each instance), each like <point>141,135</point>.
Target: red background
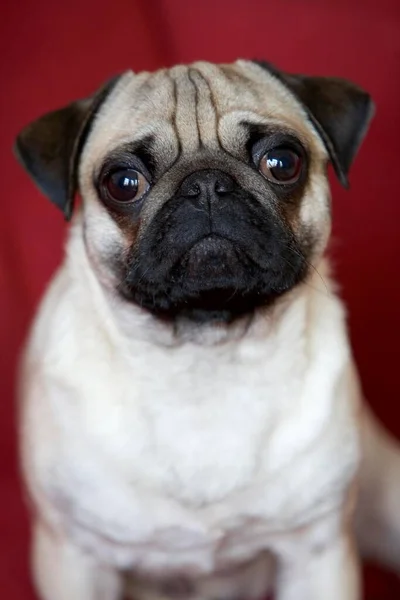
<point>52,52</point>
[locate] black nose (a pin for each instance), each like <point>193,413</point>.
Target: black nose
<point>208,184</point>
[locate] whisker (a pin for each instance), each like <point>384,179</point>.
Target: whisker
<point>308,263</point>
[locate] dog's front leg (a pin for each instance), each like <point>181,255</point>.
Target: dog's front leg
<point>319,563</point>
<point>62,571</point>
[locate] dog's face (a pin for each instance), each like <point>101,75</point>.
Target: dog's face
<point>204,188</point>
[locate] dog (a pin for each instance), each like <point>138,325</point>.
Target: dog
<point>192,424</point>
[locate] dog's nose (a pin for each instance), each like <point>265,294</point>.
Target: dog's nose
<point>207,184</point>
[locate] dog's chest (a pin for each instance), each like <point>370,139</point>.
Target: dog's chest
<point>194,426</point>
<point>193,465</point>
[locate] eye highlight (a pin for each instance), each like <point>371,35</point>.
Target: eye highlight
<point>124,185</point>
<point>281,165</point>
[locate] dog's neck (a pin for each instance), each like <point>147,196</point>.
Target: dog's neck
<point>129,322</point>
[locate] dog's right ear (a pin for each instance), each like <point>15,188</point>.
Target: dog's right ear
<point>50,147</point>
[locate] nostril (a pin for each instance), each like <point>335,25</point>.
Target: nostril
<point>210,183</point>
<point>223,186</point>
<point>193,190</point>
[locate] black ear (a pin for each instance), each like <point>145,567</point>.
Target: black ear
<point>339,110</point>
<point>50,147</point>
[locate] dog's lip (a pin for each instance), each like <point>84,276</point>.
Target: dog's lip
<point>210,239</point>
<point>212,252</point>
<point>209,243</point>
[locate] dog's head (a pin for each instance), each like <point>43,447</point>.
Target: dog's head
<point>204,188</point>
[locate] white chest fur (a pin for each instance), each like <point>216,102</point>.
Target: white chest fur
<point>190,457</point>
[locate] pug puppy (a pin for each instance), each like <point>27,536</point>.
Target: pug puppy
<point>192,424</point>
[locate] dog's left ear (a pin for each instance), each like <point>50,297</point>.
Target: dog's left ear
<point>339,110</point>
<point>50,147</point>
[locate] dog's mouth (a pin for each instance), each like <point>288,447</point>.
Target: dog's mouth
<point>210,261</point>
<point>211,270</point>
<point>212,267</point>
<point>214,280</point>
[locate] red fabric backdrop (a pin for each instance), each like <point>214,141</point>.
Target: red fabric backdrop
<point>53,52</point>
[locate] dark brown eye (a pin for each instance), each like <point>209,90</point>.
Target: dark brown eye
<point>281,165</point>
<point>125,185</point>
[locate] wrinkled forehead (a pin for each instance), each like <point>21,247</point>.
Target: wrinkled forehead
<point>200,106</point>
